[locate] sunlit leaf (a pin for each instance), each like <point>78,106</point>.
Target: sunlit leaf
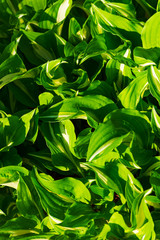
<point>154,82</point>
<point>116,127</point>
<point>70,108</point>
<point>132,94</point>
<point>150,33</point>
<point>115,24</point>
<point>155,121</point>
<point>79,120</point>
<point>126,10</point>
<point>55,14</point>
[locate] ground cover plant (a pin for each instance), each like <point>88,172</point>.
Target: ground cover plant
<point>79,119</point>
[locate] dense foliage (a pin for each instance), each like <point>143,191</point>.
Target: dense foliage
<point>79,119</point>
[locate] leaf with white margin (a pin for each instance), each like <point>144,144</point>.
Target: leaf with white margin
<point>117,125</point>
<point>154,82</point>
<point>151,32</point>
<point>131,95</point>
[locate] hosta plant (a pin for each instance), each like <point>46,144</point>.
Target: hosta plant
<point>79,119</point>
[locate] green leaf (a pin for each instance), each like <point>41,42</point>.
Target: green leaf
<point>113,176</point>
<point>35,51</point>
<point>123,9</point>
<point>103,88</point>
<point>10,50</point>
<point>52,204</point>
<point>10,69</point>
<point>19,226</point>
<point>42,159</point>
<point>71,232</point>
<point>37,5</point>
<point>24,89</point>
<point>51,43</point>
<point>10,157</point>
<point>74,32</point>
<point>31,123</point>
<point>98,44</point>
<point>115,129</point>
<point>132,190</point>
<point>155,122</point>
<point>158,6</point>
<point>155,164</point>
<point>118,226</point>
<point>114,23</point>
<point>145,57</point>
<point>154,82</point>
<point>25,202</point>
<point>133,93</point>
<point>82,142</point>
<point>45,98</point>
<point>79,214</point>
<point>57,196</point>
<point>9,175</point>
<point>150,33</point>
<point>41,53</point>
<point>69,88</point>
<point>95,106</point>
<point>118,69</point>
<point>141,219</point>
<point>60,138</point>
<point>55,14</point>
<point>79,110</point>
<point>12,132</point>
<point>153,201</point>
<point>155,175</point>
<point>52,74</point>
<point>34,236</point>
<point>68,188</point>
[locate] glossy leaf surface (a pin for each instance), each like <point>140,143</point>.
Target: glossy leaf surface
<point>79,119</point>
